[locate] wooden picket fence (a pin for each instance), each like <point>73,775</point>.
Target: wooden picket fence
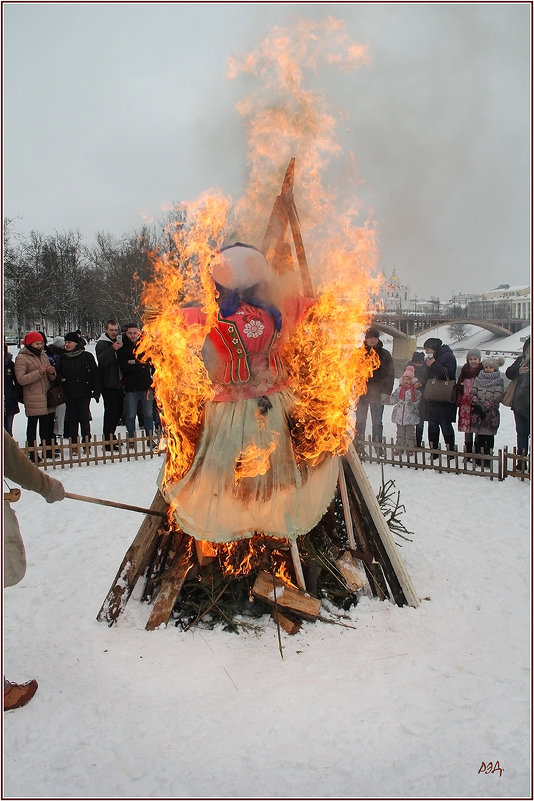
<point>496,465</point>
<point>93,451</point>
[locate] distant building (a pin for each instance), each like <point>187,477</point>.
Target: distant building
<point>394,296</point>
<point>505,302</point>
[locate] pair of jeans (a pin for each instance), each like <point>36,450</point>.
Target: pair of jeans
<point>131,399</point>
<point>377,410</point>
<point>77,414</point>
<point>44,429</point>
<point>522,430</point>
<point>446,429</point>
<point>112,400</point>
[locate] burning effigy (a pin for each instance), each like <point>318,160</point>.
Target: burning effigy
<point>257,375</point>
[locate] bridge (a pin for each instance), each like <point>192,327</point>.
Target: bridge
<point>406,328</point>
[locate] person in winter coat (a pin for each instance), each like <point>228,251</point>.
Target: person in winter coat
<point>110,380</point>
<point>11,391</point>
<point>405,414</point>
<point>486,395</point>
<point>440,363</point>
<point>17,468</point>
<point>35,374</point>
<point>520,371</point>
<point>79,377</point>
<point>464,386</point>
<point>55,350</point>
<point>138,383</point>
<point>380,383</point>
<point>418,363</point>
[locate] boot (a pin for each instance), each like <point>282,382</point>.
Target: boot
<point>450,446</point>
<point>435,445</point>
<point>16,695</point>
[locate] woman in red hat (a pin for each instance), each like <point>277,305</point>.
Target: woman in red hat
<point>34,373</point>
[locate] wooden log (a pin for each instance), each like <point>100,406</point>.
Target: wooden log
<point>176,570</point>
<point>396,573</point>
<point>134,563</point>
<point>290,626</point>
<point>350,572</point>
<point>288,599</point>
<point>156,565</point>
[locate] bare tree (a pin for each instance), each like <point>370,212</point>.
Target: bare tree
<point>458,331</point>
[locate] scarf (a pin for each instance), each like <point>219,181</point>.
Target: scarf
<point>229,301</point>
<point>404,390</point>
<point>70,354</point>
<point>35,351</point>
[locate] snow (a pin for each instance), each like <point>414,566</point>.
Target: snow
<point>406,703</point>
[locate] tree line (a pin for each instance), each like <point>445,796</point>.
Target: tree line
<point>57,282</point>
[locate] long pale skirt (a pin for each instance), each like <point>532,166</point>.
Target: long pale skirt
<point>245,479</point>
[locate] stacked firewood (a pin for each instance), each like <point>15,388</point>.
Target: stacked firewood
<point>186,581</point>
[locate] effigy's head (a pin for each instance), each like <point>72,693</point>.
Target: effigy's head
<point>240,266</point>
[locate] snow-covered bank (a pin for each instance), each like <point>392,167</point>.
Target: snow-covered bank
<point>408,703</point>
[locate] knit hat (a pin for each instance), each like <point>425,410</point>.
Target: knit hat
<point>473,352</point>
<point>418,357</point>
<point>58,342</point>
<point>433,343</point>
<point>31,337</point>
<point>72,336</point>
<point>410,372</point>
<point>372,332</point>
<point>492,361</point>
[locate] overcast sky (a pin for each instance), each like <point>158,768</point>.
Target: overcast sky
<point>114,111</point>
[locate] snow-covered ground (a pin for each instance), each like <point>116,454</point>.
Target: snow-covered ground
<point>408,703</point>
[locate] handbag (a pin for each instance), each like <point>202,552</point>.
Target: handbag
<point>56,396</point>
<point>440,390</point>
<point>509,394</point>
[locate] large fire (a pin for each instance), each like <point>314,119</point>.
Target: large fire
<point>328,368</point>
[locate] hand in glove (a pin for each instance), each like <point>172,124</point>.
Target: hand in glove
<point>56,491</point>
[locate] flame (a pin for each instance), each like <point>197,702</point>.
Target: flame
<point>241,557</point>
<point>253,461</point>
<point>284,118</point>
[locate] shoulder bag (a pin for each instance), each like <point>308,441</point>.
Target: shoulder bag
<point>56,396</point>
<point>509,393</point>
<point>440,390</point>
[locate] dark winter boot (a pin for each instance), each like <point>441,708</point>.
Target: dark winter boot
<point>450,446</point>
<point>435,445</point>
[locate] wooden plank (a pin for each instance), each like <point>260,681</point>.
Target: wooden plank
<point>290,626</point>
<point>176,570</point>
<point>133,564</point>
<point>288,599</point>
<point>385,537</point>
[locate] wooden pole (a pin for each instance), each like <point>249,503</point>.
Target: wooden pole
<point>88,499</point>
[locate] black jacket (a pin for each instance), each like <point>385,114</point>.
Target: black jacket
<point>108,364</point>
<point>443,367</point>
<point>82,379</point>
<point>383,377</point>
<point>137,375</point>
<point>521,399</point>
<point>11,389</point>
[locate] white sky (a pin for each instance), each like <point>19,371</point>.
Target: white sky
<point>112,110</point>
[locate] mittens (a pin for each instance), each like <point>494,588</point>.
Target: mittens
<point>56,492</point>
